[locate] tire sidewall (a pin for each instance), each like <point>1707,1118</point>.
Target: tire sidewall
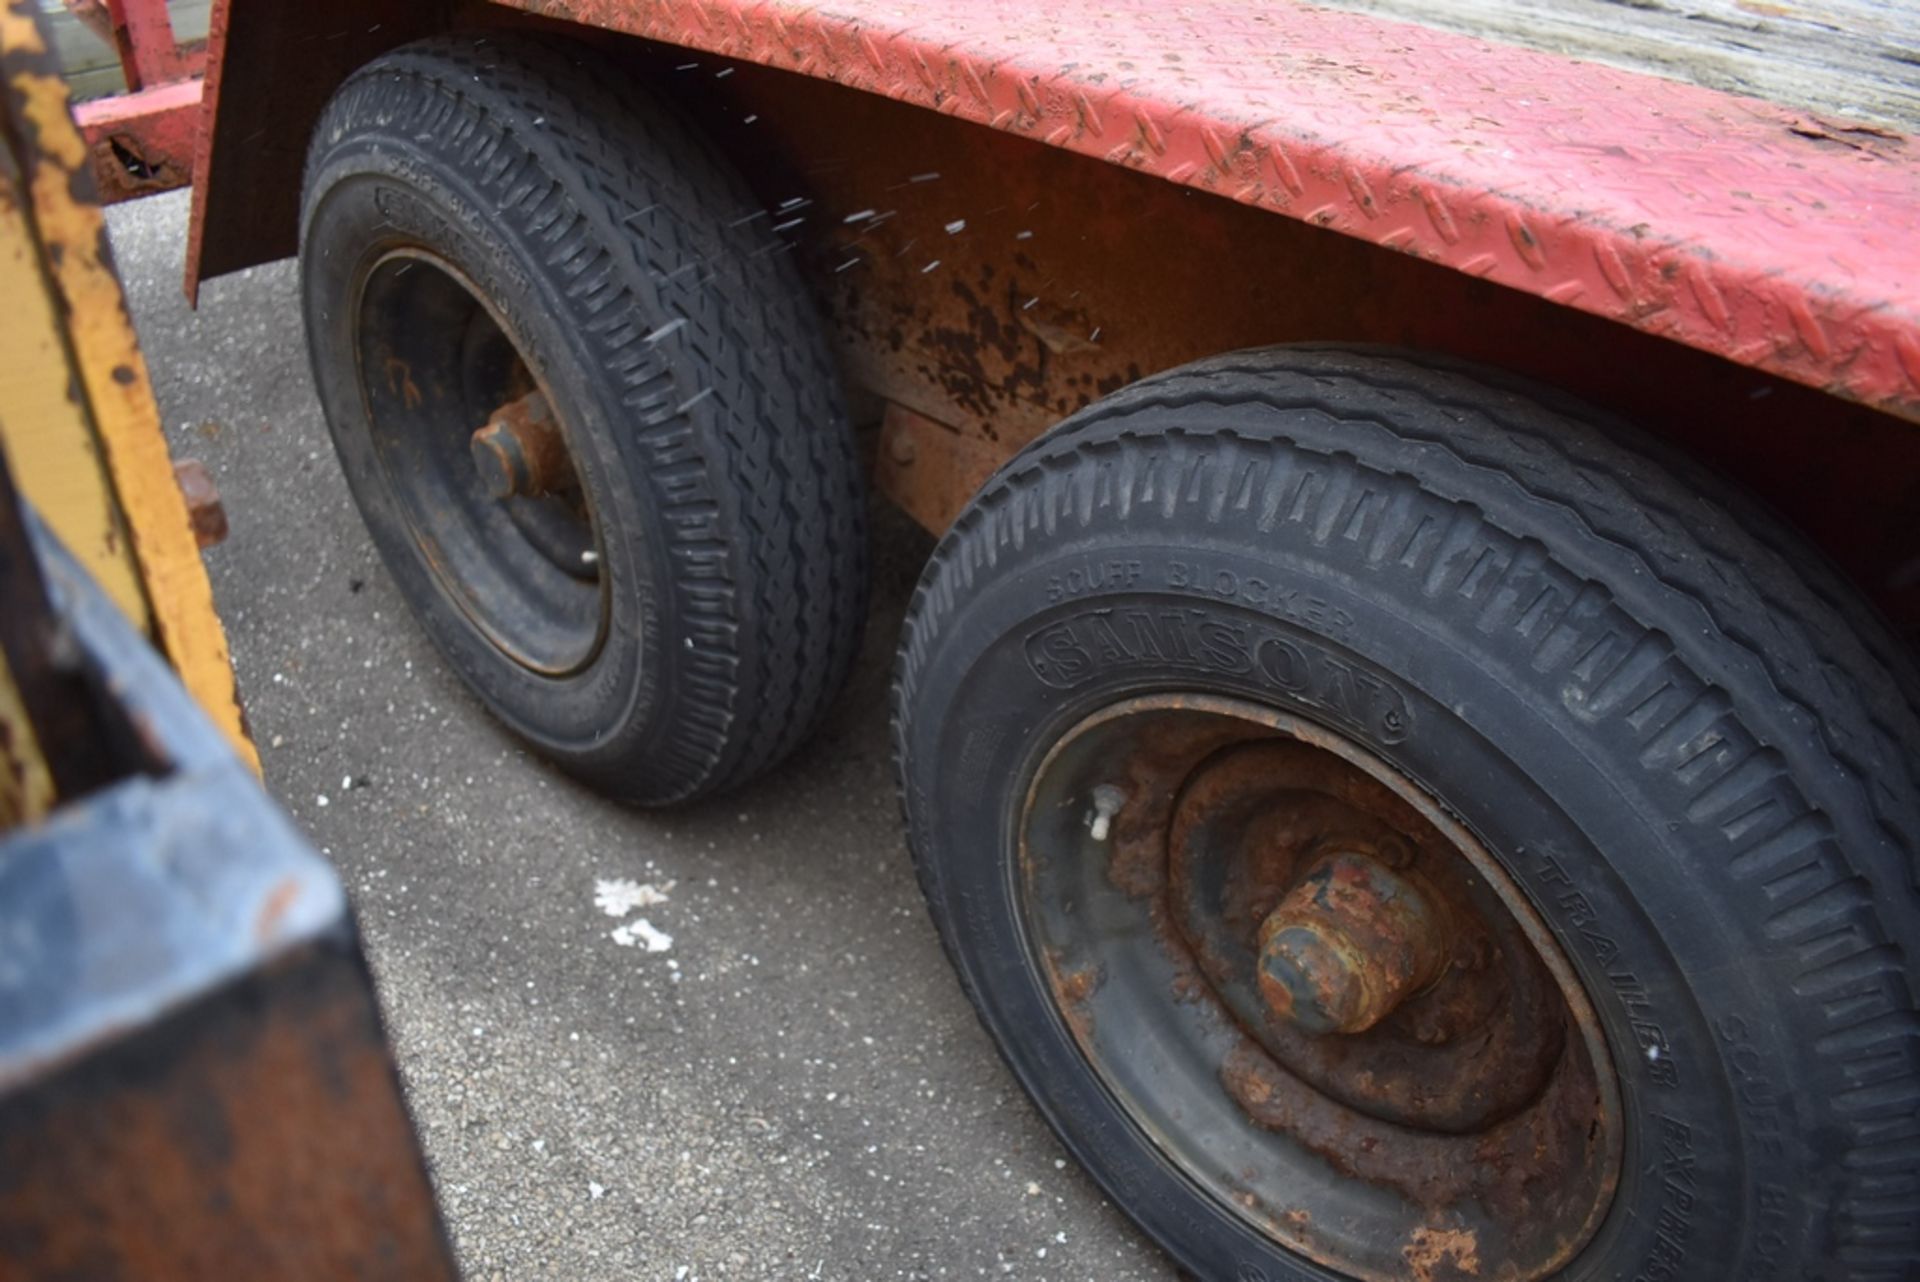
<point>1563,808</point>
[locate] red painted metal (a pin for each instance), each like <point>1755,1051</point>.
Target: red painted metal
<point>1728,224</point>
<point>290,59</point>
<point>142,142</point>
<point>149,55</point>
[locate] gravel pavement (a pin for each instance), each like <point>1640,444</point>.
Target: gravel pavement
<point>795,1089</point>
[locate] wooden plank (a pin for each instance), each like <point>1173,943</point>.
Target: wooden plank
<point>1851,60</point>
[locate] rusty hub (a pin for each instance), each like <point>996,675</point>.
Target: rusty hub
<point>519,451</point>
<point>497,515</point>
<point>1315,991</point>
<point>1348,945</point>
<point>1427,1004</point>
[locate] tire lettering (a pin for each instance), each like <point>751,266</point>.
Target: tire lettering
<point>1289,603</point>
<point>1068,652</point>
<point>1656,1052</point>
<point>1284,664</point>
<point>1226,646</point>
<point>1057,658</point>
<point>1769,1230</point>
<point>1761,1102</point>
<point>1673,1221</point>
<point>1093,576</point>
<point>1577,918</point>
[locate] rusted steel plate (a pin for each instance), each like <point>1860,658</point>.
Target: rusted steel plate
<point>1710,220</point>
<point>141,142</point>
<point>256,1134</point>
<point>194,1082</point>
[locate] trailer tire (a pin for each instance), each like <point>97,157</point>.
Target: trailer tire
<point>1698,785</point>
<point>505,230</point>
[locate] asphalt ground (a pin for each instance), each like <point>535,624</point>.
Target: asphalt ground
<point>795,1089</point>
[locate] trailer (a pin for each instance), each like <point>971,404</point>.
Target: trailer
<point>1409,732</point>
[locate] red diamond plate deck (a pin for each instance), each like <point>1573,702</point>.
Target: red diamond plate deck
<point>1713,220</point>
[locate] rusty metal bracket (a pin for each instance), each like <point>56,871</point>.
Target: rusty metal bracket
<point>142,142</point>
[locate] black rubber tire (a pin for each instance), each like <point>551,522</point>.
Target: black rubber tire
<point>1702,775</point>
<point>731,508</point>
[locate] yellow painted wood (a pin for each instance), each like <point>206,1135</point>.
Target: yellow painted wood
<point>64,238</point>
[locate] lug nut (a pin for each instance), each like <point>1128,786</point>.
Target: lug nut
<point>1347,945</point>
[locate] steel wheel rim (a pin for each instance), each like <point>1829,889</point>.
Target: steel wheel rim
<point>437,364</point>
<point>1147,996</point>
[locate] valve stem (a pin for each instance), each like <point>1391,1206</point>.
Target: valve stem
<point>1107,801</point>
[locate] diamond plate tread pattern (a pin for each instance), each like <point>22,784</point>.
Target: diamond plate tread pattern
<point>1712,220</point>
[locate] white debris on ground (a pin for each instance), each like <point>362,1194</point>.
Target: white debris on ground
<point>641,931</point>
<point>618,896</point>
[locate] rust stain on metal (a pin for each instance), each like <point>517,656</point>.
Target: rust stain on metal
<point>259,1132</point>
<point>1517,1170</point>
<point>927,467</point>
<point>1476,1029</point>
<point>400,382</point>
<point>143,142</point>
<point>1072,990</point>
<point>205,511</point>
<point>1153,775</point>
<point>1442,1255</point>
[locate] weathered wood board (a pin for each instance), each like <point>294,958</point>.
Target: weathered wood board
<point>1840,60</point>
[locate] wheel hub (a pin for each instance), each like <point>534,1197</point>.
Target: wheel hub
<point>1315,991</point>
<point>520,453</point>
<point>1353,940</point>
<point>501,522</point>
<point>1347,945</point>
